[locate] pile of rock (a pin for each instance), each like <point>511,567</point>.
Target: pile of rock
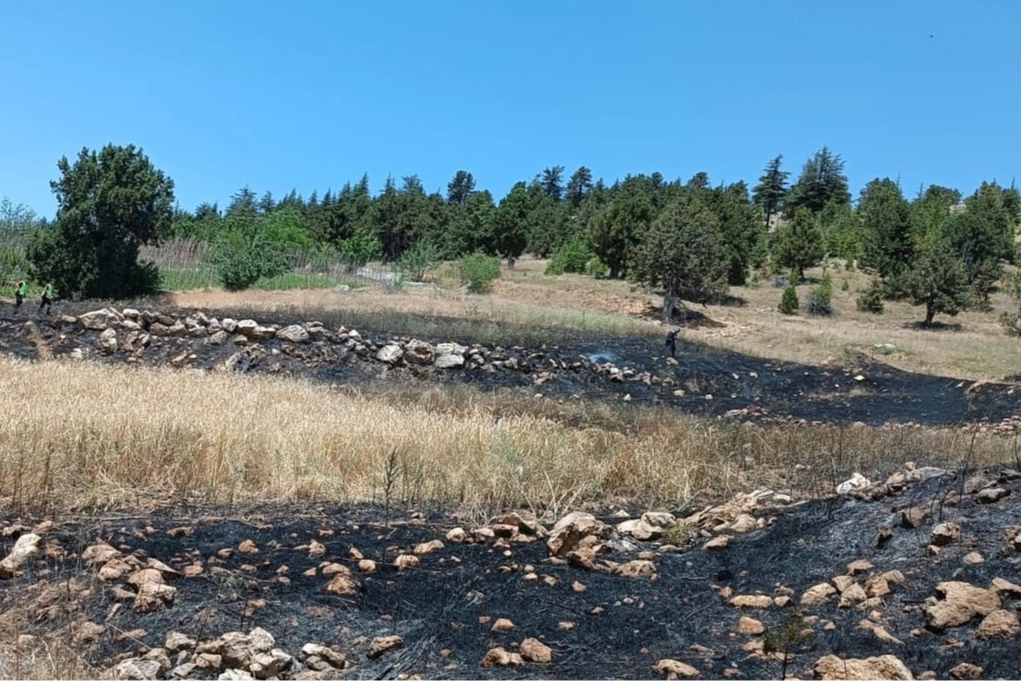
<point>234,655</point>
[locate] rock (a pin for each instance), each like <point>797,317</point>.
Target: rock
<point>427,547</point>
<point>571,529</point>
<point>448,361</point>
<point>973,558</point>
<point>659,518</point>
<point>966,670</point>
<point>97,320</point>
<point>450,349</point>
<point>945,533</point>
<point>235,675</point>
<point>851,595</point>
<point>636,568</point>
<point>881,667</point>
<point>248,547</point>
<point>137,670</point>
<point>877,586</point>
<point>881,633</point>
<point>333,658</point>
<point>271,664</point>
<point>294,333</point>
<point>639,529</point>
<point>717,543</point>
<point>856,567</point>
<point>239,649</point>
<point>498,657</point>
<point>245,327</point>
<point>25,548</point>
<point>992,494</point>
<point>750,626</point>
<point>1002,624</point>
<point>87,632</point>
<point>842,582</point>
<point>502,624</point>
<point>176,641</point>
<point>752,601</point>
<point>391,353</point>
<point>673,669</point>
<point>343,584</point>
<point>856,482</point>
<point>1005,587</point>
<point>108,342</point>
<point>153,596</point>
<point>229,325</point>
<point>217,338</point>
<point>383,644</point>
<point>457,535</point>
<point>146,576</point>
<point>419,352</point>
<point>367,566</point>
<point>817,594</point>
<point>534,650</point>
<point>406,562</point>
<point>960,603</point>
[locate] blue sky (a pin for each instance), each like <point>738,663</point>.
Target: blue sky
<point>309,94</point>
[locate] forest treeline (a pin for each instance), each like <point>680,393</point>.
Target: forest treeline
<point>690,239</point>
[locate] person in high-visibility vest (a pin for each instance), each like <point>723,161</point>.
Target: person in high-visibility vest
<point>47,300</point>
<point>19,294</point>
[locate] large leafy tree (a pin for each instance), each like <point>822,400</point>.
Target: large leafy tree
<point>798,243</point>
<point>771,190</point>
<point>888,245</point>
<point>822,181</point>
<point>938,281</point>
<point>109,204</point>
<point>684,254</point>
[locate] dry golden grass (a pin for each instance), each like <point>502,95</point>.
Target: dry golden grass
<point>525,305</point>
<point>93,436</point>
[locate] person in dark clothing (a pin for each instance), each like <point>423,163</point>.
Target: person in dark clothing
<point>671,341</point>
<point>47,301</point>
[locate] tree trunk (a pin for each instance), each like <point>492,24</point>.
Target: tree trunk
<point>614,273</point>
<point>669,303</point>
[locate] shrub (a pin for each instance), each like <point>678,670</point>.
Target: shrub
<point>572,257</point>
<point>478,271</point>
<point>871,299</point>
<point>243,254</point>
<point>819,301</point>
<point>789,301</point>
<point>846,286</point>
<point>418,260</point>
<point>1011,321</point>
<point>360,248</point>
<point>596,268</point>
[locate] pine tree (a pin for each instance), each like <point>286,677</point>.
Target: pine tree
<point>798,244</point>
<point>771,190</point>
<point>822,181</point>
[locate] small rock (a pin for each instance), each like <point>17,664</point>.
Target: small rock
<point>966,670</point>
<point>973,558</point>
<point>833,668</point>
<point>343,584</point>
<point>992,494</point>
<point>25,548</point>
<point>636,568</point>
<point>913,517</point>
<point>817,594</point>
<point>271,664</point>
<point>1005,587</point>
<point>945,533</point>
<point>498,657</point>
<point>673,669</point>
<point>406,562</point>
<point>384,644</point>
<point>294,333</point>
<point>137,670</point>
<point>457,535</point>
<point>717,543</point>
<point>502,624</point>
<point>428,547</point>
<point>750,626</point>
<point>366,565</point>
<point>856,482</point>
<point>248,547</point>
<point>752,601</point>
<point>852,595</point>
<point>176,641</point>
<point>534,650</point>
<point>856,567</point>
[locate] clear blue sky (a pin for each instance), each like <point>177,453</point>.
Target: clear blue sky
<point>310,94</point>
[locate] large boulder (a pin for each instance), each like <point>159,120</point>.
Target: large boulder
<point>390,353</point>
<point>449,361</point>
<point>108,341</point>
<point>97,320</point>
<point>960,603</point>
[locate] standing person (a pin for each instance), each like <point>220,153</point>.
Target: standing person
<point>19,294</point>
<point>671,341</point>
<point>47,300</point>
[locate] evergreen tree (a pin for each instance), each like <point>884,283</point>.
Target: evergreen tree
<point>888,245</point>
<point>938,281</point>
<point>683,253</point>
<point>771,190</point>
<point>109,205</point>
<point>243,204</point>
<point>822,181</point>
<point>740,227</point>
<point>578,186</point>
<point>511,223</point>
<point>617,229</point>
<point>460,188</point>
<point>798,243</point>
<point>551,181</point>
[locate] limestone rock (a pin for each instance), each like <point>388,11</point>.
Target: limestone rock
<point>639,529</point>
<point>966,670</point>
<point>856,482</point>
<point>108,342</point>
<point>571,529</point>
<point>502,624</point>
<point>751,601</point>
<point>293,333</point>
<point>534,650</point>
<point>419,352</point>
<point>498,657</point>
<point>1002,624</point>
<point>427,547</point>
<point>750,626</point>
<point>945,533</point>
<point>817,594</point>
<point>271,664</point>
<point>960,603</point>
<point>25,548</point>
<point>448,361</point>
<point>717,543</point>
<point>383,644</point>
<point>992,494</point>
<point>834,668</point>
<point>391,353</point>
<point>137,669</point>
<point>673,669</point>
